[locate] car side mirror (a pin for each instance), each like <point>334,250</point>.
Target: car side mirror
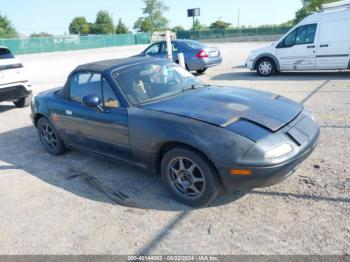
<point>92,101</point>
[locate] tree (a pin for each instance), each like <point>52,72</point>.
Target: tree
<point>104,23</point>
<point>79,25</point>
<point>92,28</point>
<point>153,19</point>
<point>177,28</point>
<point>309,6</point>
<point>121,28</point>
<point>197,26</point>
<point>6,28</point>
<point>42,34</point>
<point>144,24</point>
<point>219,25</point>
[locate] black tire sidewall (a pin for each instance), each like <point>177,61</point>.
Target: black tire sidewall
<point>23,102</point>
<point>209,173</point>
<point>60,148</point>
<point>201,71</point>
<point>273,65</point>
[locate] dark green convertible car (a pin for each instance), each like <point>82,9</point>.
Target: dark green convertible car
<point>155,114</point>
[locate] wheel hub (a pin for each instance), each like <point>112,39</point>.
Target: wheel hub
<point>186,177</point>
<point>265,67</point>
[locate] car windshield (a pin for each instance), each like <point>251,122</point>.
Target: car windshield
<point>147,82</point>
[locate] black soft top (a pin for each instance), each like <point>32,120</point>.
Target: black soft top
<point>104,65</point>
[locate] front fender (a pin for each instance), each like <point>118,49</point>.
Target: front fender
<point>268,55</point>
<point>38,108</point>
<point>150,130</point>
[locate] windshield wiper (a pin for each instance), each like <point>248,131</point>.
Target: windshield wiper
<point>194,86</point>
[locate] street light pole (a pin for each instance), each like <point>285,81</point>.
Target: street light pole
<point>114,32</point>
<point>238,21</point>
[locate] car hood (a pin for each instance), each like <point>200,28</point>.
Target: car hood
<point>270,49</point>
<point>223,106</point>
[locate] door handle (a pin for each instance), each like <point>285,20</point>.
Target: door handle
<point>311,46</point>
<point>69,113</point>
<point>323,45</point>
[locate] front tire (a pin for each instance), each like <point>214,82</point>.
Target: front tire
<point>49,138</point>
<point>23,102</point>
<point>266,67</point>
<point>189,176</point>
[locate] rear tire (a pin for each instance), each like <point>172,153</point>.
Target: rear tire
<point>23,102</point>
<point>190,178</point>
<point>266,67</point>
<point>49,138</point>
<point>201,71</point>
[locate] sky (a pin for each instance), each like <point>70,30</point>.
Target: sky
<point>54,16</point>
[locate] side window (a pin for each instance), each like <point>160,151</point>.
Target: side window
<point>5,53</point>
<point>300,36</point>
<point>311,33</point>
<point>153,49</point>
<point>109,98</point>
<point>174,46</point>
<point>290,39</point>
<point>82,84</point>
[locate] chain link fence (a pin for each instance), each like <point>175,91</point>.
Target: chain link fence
<point>72,42</point>
<point>232,33</point>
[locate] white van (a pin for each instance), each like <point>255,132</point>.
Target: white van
<point>320,42</point>
<point>14,86</point>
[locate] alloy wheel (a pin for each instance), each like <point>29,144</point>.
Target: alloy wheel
<point>49,136</point>
<point>186,177</point>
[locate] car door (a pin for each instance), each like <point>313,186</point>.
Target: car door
<point>74,112</point>
<point>297,51</point>
<point>102,131</point>
<point>334,42</point>
<point>154,50</point>
<point>175,50</point>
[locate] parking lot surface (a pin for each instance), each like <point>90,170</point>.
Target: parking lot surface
<point>81,204</point>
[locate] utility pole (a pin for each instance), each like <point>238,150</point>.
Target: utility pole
<point>114,29</point>
<point>238,21</point>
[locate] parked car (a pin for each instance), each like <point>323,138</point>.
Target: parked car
<point>198,57</point>
<point>155,114</point>
<point>14,86</point>
<point>320,41</point>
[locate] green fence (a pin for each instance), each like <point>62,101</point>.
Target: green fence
<point>72,42</point>
<point>231,33</point>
